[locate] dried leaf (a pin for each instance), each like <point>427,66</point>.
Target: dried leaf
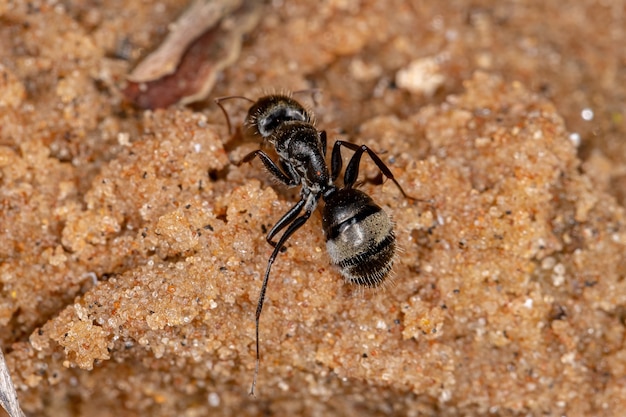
<point>8,396</point>
<point>184,68</point>
<point>197,19</point>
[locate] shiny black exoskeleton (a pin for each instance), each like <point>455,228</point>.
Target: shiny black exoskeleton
<point>359,234</point>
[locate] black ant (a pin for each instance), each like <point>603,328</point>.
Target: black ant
<point>359,235</point>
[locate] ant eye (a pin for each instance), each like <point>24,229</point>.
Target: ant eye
<point>267,126</point>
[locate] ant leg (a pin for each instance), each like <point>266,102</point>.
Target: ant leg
<point>293,212</point>
<point>323,139</point>
<point>335,160</point>
<point>297,223</point>
<point>284,221</point>
<point>219,100</point>
<point>288,168</point>
<point>287,179</point>
<point>314,92</point>
<point>352,170</point>
<point>271,167</point>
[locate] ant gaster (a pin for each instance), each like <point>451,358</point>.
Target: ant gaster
<point>359,235</point>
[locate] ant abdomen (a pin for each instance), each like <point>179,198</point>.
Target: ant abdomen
<point>359,237</point>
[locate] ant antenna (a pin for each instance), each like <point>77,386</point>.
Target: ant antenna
<point>219,100</point>
<point>315,92</point>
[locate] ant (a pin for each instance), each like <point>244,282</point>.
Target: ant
<point>359,234</point>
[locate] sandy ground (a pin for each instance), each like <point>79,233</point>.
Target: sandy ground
<point>132,250</point>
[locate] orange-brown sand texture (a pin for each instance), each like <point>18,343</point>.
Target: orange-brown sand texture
<point>132,250</point>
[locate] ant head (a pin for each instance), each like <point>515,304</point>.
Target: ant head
<point>271,111</point>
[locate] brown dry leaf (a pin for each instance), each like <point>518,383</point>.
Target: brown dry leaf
<point>204,40</point>
<point>197,18</point>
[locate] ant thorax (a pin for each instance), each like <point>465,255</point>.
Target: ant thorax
<point>302,153</point>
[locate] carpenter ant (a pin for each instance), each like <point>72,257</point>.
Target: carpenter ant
<point>359,235</point>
